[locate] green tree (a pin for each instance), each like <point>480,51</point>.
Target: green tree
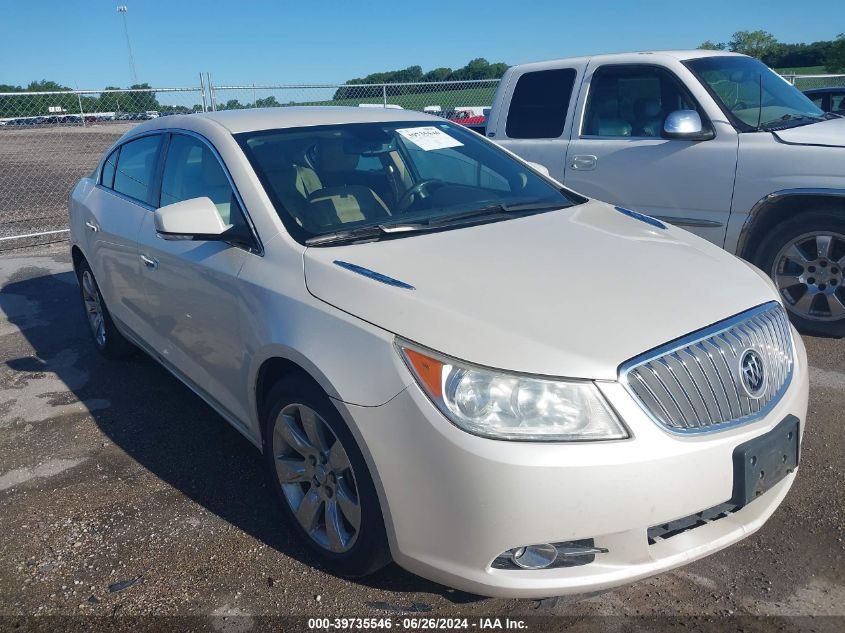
<point>45,86</point>
<point>707,45</point>
<point>835,60</point>
<point>753,43</point>
<point>438,74</point>
<point>142,101</point>
<point>267,102</point>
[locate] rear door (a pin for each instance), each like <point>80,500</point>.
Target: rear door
<point>112,217</point>
<point>192,293</point>
<point>617,153</point>
<point>536,116</point>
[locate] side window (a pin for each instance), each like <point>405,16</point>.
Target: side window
<point>135,170</point>
<point>191,170</point>
<point>107,177</point>
<point>539,104</point>
<point>632,101</point>
<point>837,103</point>
<point>819,101</point>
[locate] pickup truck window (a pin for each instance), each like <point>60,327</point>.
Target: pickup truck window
<point>539,104</point>
<point>738,83</point>
<point>632,101</point>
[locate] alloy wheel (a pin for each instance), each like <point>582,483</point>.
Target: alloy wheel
<point>317,478</point>
<point>809,273</point>
<point>93,308</point>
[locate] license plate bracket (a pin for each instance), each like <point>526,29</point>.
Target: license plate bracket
<point>762,462</point>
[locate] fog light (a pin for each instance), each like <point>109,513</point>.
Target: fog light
<point>549,555</point>
<point>534,556</point>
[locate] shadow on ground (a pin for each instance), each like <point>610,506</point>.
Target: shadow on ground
<point>166,428</point>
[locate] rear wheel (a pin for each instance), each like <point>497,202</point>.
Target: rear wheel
<point>806,259</point>
<point>109,342</point>
<point>320,476</point>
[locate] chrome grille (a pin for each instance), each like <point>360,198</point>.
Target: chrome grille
<point>696,383</point>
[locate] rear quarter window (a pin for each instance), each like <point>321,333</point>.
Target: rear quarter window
<point>540,103</point>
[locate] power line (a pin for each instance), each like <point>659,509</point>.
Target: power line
<point>123,9</point>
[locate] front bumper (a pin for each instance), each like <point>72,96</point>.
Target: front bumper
<point>453,501</point>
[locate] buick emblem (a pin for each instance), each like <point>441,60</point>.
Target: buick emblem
<point>752,373</point>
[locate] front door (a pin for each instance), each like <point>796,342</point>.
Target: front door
<point>193,300</point>
<point>618,156</point>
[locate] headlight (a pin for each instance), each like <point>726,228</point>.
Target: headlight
<point>509,406</point>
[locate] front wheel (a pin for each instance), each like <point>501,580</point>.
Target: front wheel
<point>806,259</point>
<point>322,480</point>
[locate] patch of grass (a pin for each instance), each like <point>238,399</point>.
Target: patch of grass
<point>802,70</point>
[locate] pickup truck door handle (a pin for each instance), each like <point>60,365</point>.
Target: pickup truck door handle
<point>152,264</point>
<point>583,162</point>
<point>94,228</point>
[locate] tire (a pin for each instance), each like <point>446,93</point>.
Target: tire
<point>108,341</point>
<point>805,257</point>
<point>297,418</point>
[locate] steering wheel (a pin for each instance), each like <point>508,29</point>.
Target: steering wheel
<point>739,105</point>
<point>419,190</point>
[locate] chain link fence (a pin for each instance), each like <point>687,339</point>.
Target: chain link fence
<point>49,140</point>
<point>807,82</point>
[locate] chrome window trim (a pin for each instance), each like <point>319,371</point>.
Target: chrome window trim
<point>694,337</point>
<point>259,250</point>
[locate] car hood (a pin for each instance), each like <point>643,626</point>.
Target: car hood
<point>574,292</point>
<point>826,133</point>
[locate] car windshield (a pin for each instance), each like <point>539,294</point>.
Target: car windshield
<point>395,178</point>
<point>738,83</point>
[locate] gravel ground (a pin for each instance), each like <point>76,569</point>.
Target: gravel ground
<point>123,495</point>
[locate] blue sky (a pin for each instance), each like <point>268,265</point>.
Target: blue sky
<point>81,43</point>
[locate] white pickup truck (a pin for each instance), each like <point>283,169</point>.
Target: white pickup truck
<point>714,142</point>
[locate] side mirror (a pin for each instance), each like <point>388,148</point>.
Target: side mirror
<point>685,125</point>
<point>541,168</point>
<point>194,219</point>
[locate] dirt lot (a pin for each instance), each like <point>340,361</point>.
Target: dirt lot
<point>122,494</point>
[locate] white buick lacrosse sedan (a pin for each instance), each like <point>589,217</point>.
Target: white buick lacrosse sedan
<point>446,358</point>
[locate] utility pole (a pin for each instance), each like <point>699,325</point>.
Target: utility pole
<point>122,10</point>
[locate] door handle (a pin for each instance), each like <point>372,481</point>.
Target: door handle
<point>152,264</point>
<point>583,162</point>
<point>94,228</point>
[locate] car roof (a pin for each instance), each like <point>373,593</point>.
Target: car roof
<point>823,90</point>
<point>252,119</point>
<point>636,56</point>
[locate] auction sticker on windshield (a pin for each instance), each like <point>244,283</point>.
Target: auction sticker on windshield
<point>428,138</point>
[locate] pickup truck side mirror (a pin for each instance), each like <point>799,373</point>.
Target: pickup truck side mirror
<point>195,219</point>
<point>685,125</point>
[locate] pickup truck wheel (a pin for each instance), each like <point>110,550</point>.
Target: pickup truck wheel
<point>806,259</point>
<point>110,343</point>
<point>319,474</point>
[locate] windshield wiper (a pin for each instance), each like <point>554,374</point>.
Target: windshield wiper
<point>786,118</point>
<point>492,211</point>
<point>372,232</point>
<point>378,231</point>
